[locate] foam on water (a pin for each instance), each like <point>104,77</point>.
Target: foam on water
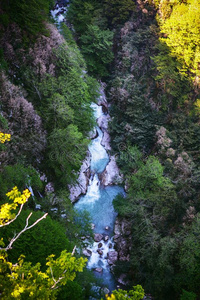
<point>98,202</point>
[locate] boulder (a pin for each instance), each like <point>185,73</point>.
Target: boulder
<point>102,98</point>
<point>87,252</point>
<point>111,174</point>
<point>112,257</point>
<point>99,270</point>
<point>122,239</point>
<point>117,227</point>
<point>93,134</point>
<point>82,182</point>
<point>98,237</point>
<point>103,122</point>
<point>100,245</point>
<point>100,252</point>
<point>105,142</point>
<point>107,228</point>
<point>106,238</point>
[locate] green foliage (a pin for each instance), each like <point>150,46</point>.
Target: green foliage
<point>188,296</point>
<point>67,34</point>
<point>84,13</point>
<point>18,175</point>
<point>118,11</point>
<point>133,115</point>
<point>28,281</point>
<point>96,46</point>
<point>189,258</point>
<point>21,280</point>
<point>72,290</point>
<point>129,159</point>
<point>28,14</point>
<point>183,30</point>
<point>137,293</point>
<point>39,242</point>
<point>62,158</point>
<point>3,63</point>
<point>175,88</point>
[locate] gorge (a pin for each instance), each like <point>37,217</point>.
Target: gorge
<point>98,202</point>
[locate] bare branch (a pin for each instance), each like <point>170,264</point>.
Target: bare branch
<point>74,250</point>
<point>56,282</point>
<point>19,212</point>
<point>23,230</point>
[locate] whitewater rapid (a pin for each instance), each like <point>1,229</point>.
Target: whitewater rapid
<point>98,202</point>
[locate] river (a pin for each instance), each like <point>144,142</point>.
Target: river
<point>98,202</point>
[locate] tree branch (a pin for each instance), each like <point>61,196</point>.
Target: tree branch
<point>19,212</point>
<point>23,230</point>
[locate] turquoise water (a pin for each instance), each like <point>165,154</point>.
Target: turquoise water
<point>98,202</point>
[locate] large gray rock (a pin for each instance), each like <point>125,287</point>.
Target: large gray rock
<point>93,134</point>
<point>117,228</point>
<point>103,122</point>
<point>105,142</point>
<point>122,239</point>
<point>100,252</point>
<point>82,182</point>
<point>112,257</point>
<point>102,98</point>
<point>111,174</point>
<point>98,237</point>
<point>87,252</point>
<point>99,270</point>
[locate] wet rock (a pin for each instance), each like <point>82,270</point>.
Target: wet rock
<point>82,182</point>
<point>87,252</point>
<point>106,141</point>
<point>98,237</point>
<point>111,174</point>
<point>106,238</point>
<point>110,246</point>
<point>103,122</point>
<point>107,228</point>
<point>93,134</point>
<point>112,257</point>
<point>116,237</point>
<point>100,245</point>
<point>102,98</point>
<point>105,291</point>
<point>99,270</point>
<point>92,226</point>
<point>117,227</point>
<point>100,252</point>
<point>122,239</point>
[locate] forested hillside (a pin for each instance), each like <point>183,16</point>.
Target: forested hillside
<point>45,107</point>
<point>148,54</point>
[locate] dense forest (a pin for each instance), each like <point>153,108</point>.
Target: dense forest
<point>148,54</point>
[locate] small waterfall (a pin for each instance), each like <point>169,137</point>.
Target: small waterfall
<point>98,202</point>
